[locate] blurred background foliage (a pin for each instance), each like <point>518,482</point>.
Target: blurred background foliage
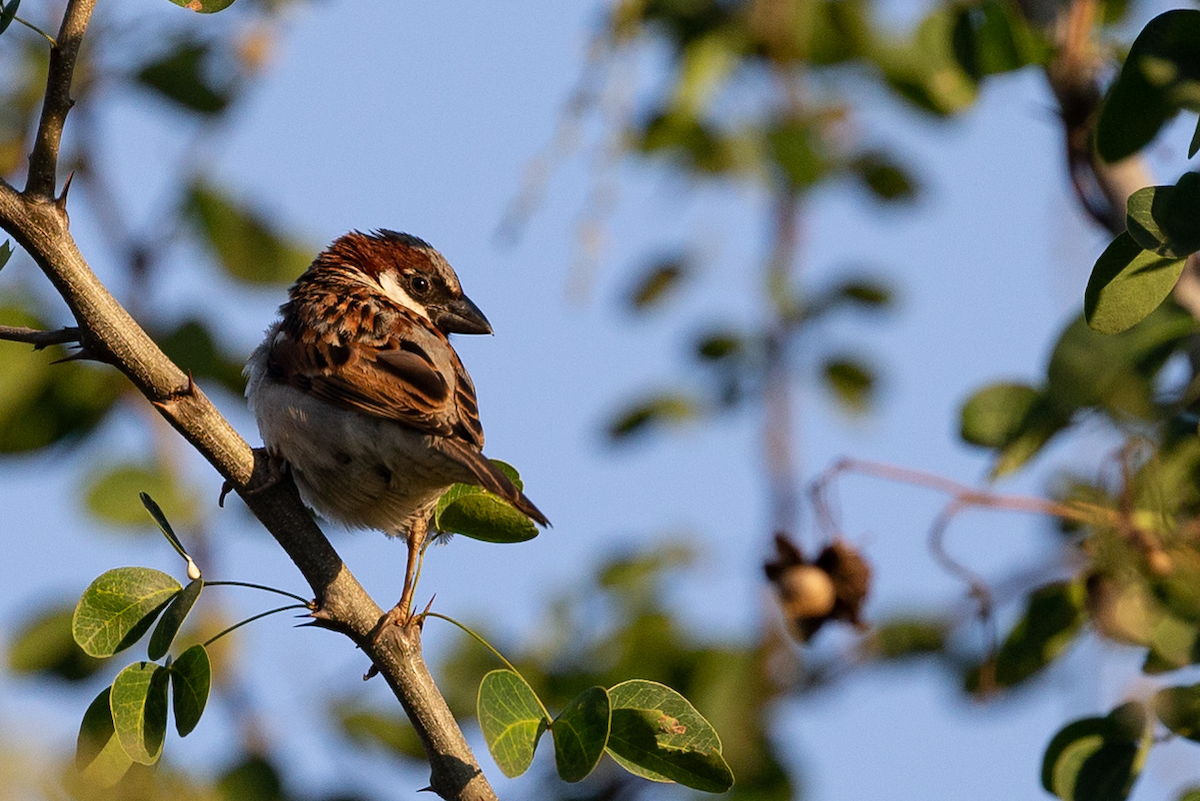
<point>762,93</point>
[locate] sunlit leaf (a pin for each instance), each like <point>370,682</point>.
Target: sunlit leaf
<point>118,607</point>
<point>1097,759</point>
<point>657,734</point>
<point>1166,219</point>
<point>44,645</point>
<point>99,756</point>
<point>139,710</point>
<point>474,512</point>
<point>245,243</point>
<point>1127,284</point>
<point>511,719</point>
<point>172,619</point>
<point>580,734</point>
<point>191,679</point>
<point>204,6</point>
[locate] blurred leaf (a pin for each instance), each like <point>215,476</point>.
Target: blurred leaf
<point>851,381</point>
<point>654,412</point>
<point>6,251</point>
<point>1163,219</point>
<point>391,731</point>
<point>719,346</point>
<point>191,679</point>
<point>926,72</point>
<point>139,710</point>
<point>204,6</point>
<point>903,637</point>
<point>884,177</point>
<point>580,734</point>
<point>657,734</point>
<point>865,292</point>
<point>118,607</point>
<point>244,242</point>
<point>1173,644</point>
<point>1190,793</point>
<point>992,37</point>
<point>43,403</point>
<point>172,619</point>
<point>8,12</point>
<point>112,495</point>
<point>181,76</point>
<point>797,150</point>
<point>994,415</point>
<point>192,347</point>
<point>44,644</point>
<point>511,719</point>
<point>1097,759</point>
<point>99,756</point>
<point>658,282</point>
<point>1157,79</point>
<point>1054,616</point>
<point>1127,284</point>
<point>704,63</point>
<point>252,779</point>
<point>1194,145</point>
<point>698,146</point>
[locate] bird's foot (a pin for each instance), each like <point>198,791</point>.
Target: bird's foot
<point>276,469</point>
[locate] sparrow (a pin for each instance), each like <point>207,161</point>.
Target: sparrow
<point>357,390</point>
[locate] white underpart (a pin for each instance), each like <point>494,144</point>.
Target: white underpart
<point>391,287</point>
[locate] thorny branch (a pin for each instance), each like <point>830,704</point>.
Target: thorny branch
<point>106,332</point>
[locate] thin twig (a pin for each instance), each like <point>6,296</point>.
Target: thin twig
<point>43,162</point>
<point>38,338</point>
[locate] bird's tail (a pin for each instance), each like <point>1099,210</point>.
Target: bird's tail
<point>493,479</point>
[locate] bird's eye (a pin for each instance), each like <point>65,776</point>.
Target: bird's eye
<point>420,284</point>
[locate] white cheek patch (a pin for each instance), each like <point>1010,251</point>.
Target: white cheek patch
<point>391,287</point>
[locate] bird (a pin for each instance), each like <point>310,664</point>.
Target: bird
<point>358,393</point>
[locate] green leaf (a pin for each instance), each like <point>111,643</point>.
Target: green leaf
<point>8,12</point>
<point>851,381</point>
<point>657,734</point>
<point>1127,284</point>
<point>865,292</point>
<point>99,756</point>
<point>44,645</point>
<point>1097,759</point>
<point>191,346</point>
<point>511,719</point>
<point>1189,794</point>
<point>191,679</point>
<point>164,525</point>
<point>992,37</point>
<point>1052,619</point>
<point>204,6</point>
<point>1156,80</point>
<point>658,282</point>
<point>1166,219</point>
<point>474,512</point>
<point>1194,146</point>
<point>656,411</point>
<point>172,619</point>
<point>182,76</point>
<point>581,733</point>
<point>244,242</point>
<point>1179,710</point>
<point>139,710</point>
<point>6,251</point>
<point>255,778</point>
<point>905,637</point>
<point>926,71</point>
<point>797,150</point>
<point>113,494</point>
<point>884,177</point>
<point>994,416</point>
<point>118,607</point>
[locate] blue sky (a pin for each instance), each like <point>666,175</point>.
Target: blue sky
<point>423,118</point>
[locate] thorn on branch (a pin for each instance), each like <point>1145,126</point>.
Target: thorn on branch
<point>61,201</point>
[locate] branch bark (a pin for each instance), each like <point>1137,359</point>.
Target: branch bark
<point>106,332</point>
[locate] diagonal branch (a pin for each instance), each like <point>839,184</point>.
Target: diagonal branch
<point>43,162</point>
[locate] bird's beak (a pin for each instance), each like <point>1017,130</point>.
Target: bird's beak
<point>461,316</point>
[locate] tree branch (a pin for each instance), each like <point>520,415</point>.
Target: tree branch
<point>43,161</point>
<point>107,332</point>
<point>39,339</point>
